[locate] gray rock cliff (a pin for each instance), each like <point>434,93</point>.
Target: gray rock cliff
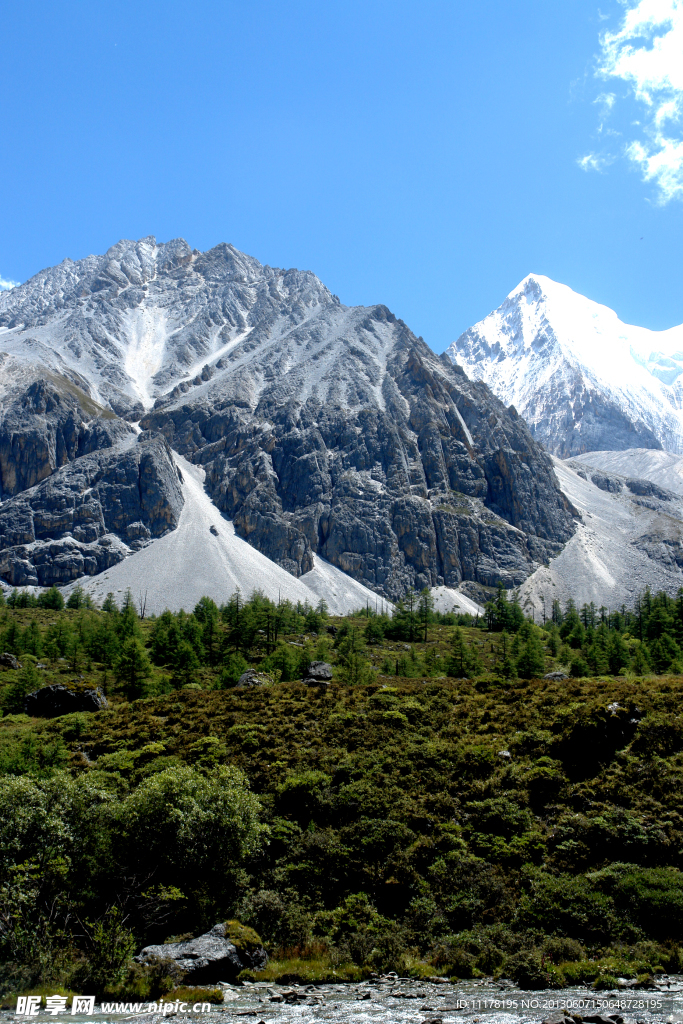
<point>323,429</point>
<point>47,425</point>
<point>425,480</point>
<point>90,514</point>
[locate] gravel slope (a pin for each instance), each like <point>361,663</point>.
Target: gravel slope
<point>192,561</point>
<point>623,544</point>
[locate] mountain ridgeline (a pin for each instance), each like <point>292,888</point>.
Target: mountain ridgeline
<point>322,429</point>
<point>582,379</point>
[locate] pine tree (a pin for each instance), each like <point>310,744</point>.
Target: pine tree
<point>640,663</point>
<point>553,640</point>
<point>186,662</point>
<point>31,640</point>
<point>13,696</point>
<point>133,667</point>
<point>127,624</point>
<point>51,599</point>
<point>531,659</point>
<point>663,652</point>
<point>354,667</point>
<point>617,653</point>
<point>425,610</point>
<point>463,660</point>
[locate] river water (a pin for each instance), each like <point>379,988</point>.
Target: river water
<point>401,1001</point>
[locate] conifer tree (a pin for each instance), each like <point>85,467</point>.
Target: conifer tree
<point>531,659</point>
<point>463,660</point>
<point>133,667</point>
<point>186,662</point>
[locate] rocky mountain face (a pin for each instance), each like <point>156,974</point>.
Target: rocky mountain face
<point>47,425</point>
<point>630,535</point>
<point>322,428</point>
<point>89,514</point>
<point>583,380</point>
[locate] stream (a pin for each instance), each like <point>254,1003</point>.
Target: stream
<point>401,1001</point>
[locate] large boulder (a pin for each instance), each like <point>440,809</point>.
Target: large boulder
<point>9,661</point>
<point>57,699</point>
<point>251,678</point>
<point>319,674</point>
<point>218,955</point>
<point>319,670</point>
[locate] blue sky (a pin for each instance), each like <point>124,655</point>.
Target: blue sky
<point>427,156</point>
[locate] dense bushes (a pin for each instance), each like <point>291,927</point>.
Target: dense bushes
<point>473,823</point>
<point>116,862</point>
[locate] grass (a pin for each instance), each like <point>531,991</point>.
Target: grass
<point>296,971</point>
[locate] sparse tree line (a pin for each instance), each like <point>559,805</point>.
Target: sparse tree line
<point>212,646</point>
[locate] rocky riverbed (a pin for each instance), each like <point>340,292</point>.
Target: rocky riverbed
<point>405,1001</point>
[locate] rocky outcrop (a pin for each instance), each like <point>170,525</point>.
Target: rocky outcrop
<point>607,483</point>
<point>218,955</point>
<point>431,482</point>
<point>50,424</point>
<point>648,489</point>
<point>319,674</point>
<point>90,514</point>
<point>57,699</point>
<point>252,678</point>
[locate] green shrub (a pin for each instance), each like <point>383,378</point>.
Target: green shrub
<point>652,898</point>
<point>243,938</point>
<point>302,794</point>
<point>528,970</point>
<point>279,918</point>
<point>559,949</point>
<point>605,981</point>
<point>569,906</point>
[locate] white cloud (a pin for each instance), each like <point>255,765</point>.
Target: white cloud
<point>6,285</point>
<point>606,101</point>
<point>647,54</point>
<point>594,162</point>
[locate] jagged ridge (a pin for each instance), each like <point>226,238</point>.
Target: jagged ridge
<point>322,428</point>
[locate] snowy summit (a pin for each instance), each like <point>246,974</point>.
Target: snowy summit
<point>581,378</point>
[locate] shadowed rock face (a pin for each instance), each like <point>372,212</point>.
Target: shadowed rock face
<point>45,427</point>
<point>322,428</point>
<point>57,699</point>
<point>429,481</point>
<point>90,514</point>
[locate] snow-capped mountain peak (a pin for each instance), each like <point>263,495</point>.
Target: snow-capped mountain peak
<point>129,325</point>
<point>583,379</point>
